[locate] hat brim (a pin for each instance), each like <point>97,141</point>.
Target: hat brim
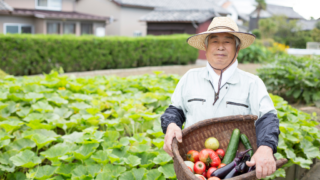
<point>197,40</point>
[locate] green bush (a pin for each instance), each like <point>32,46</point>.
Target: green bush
<point>257,33</point>
<point>253,54</point>
<point>36,54</point>
<point>293,77</point>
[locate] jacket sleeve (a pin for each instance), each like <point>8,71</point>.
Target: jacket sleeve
<point>175,113</point>
<point>267,131</point>
<point>172,115</point>
<point>267,125</point>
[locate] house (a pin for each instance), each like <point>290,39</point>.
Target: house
<point>124,14</point>
<point>307,25</point>
<point>48,17</point>
<point>183,16</point>
<point>273,10</point>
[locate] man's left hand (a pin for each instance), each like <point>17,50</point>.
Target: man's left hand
<point>264,161</point>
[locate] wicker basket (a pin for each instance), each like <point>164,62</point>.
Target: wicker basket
<point>220,128</point>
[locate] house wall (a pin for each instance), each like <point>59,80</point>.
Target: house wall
<point>23,4</point>
<point>15,20</point>
<point>129,21</point>
<point>203,27</point>
<point>68,5</point>
<point>102,8</point>
<point>40,26</point>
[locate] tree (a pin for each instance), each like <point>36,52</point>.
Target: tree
<point>318,25</point>
<point>268,27</point>
<point>261,5</point>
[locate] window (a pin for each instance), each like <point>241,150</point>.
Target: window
<point>86,28</point>
<point>53,28</point>
<point>48,4</point>
<point>69,28</point>
<point>137,33</point>
<point>18,29</point>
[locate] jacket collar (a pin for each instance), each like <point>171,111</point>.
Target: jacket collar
<point>234,79</point>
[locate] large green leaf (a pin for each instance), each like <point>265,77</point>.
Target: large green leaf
<point>85,151</point>
<point>26,159</point>
<point>66,169</point>
<point>43,172</point>
<point>114,170</point>
<point>58,150</point>
<point>21,144</point>
<point>132,161</point>
<point>309,149</point>
<point>162,159</point>
<point>42,140</point>
<point>11,125</point>
<point>153,174</point>
<point>168,171</point>
<point>101,156</point>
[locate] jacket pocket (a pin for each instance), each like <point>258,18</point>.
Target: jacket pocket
<point>197,99</point>
<point>236,104</point>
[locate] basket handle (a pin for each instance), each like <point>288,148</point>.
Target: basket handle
<point>177,157</point>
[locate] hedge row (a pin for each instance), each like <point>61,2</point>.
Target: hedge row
<point>36,54</point>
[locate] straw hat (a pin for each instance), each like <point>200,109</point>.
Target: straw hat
<point>221,25</point>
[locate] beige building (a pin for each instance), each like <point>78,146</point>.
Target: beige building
<point>48,17</point>
<point>124,14</point>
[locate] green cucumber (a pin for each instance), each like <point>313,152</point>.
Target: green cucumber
<point>232,147</point>
<point>245,141</point>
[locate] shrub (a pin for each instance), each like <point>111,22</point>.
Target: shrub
<point>257,33</point>
<point>35,54</point>
<point>253,54</point>
<point>293,77</point>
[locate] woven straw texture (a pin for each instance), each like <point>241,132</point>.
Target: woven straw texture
<point>193,138</point>
<point>197,40</point>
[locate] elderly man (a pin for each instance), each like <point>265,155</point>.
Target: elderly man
<point>221,89</point>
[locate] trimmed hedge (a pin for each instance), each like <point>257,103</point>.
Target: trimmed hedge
<point>36,54</point>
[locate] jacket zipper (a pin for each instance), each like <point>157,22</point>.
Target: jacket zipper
<point>197,99</point>
<point>237,104</point>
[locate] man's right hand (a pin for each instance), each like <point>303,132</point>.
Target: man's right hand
<point>172,131</point>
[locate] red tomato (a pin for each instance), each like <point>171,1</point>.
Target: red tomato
<point>210,171</point>
<point>221,165</point>
<point>213,178</point>
<point>193,156</point>
<point>221,153</point>
<point>209,157</point>
<point>200,177</point>
<point>199,167</point>
<point>214,159</point>
<point>204,174</point>
<point>203,155</point>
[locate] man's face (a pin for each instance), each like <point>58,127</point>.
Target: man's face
<point>221,49</point>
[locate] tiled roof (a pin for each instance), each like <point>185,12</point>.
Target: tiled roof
<point>143,3</point>
<point>5,7</point>
<point>185,10</point>
<point>307,25</point>
<point>198,16</point>
<point>278,10</point>
<point>56,14</point>
<point>288,11</point>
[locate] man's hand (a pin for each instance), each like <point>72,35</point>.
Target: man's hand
<point>172,131</point>
<point>264,161</point>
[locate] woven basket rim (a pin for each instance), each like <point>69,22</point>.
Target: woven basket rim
<point>200,124</point>
<point>177,156</point>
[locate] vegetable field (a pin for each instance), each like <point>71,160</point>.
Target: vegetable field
<point>106,127</point>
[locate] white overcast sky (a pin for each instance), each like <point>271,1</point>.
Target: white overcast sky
<point>305,8</point>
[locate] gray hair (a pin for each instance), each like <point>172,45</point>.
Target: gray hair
<point>238,42</point>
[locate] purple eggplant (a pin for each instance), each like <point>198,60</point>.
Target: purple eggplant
<point>232,174</point>
<point>224,171</point>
